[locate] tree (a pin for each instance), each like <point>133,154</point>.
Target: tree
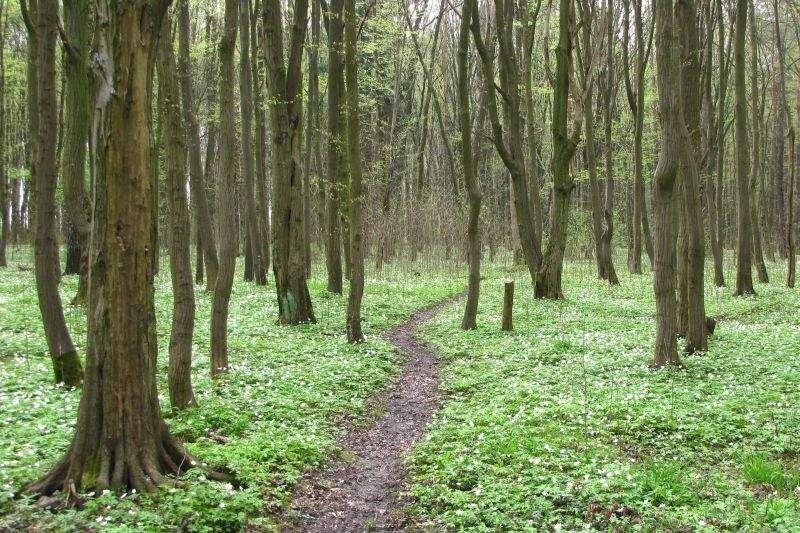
<point>509,147</point>
<point>284,82</point>
<point>248,163</point>
<point>756,177</point>
<point>691,259</point>
<point>641,227</point>
<point>335,153</point>
<point>668,80</point>
<point>66,363</point>
<point>470,179</point>
<point>744,261</point>
<point>76,133</point>
<point>174,142</point>
<point>565,143</point>
<point>196,178</point>
<point>356,243</point>
<point>121,441</point>
<point>228,225</point>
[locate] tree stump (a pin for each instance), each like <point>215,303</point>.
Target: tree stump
<point>508,305</point>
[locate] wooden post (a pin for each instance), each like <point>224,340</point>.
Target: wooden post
<point>508,305</point>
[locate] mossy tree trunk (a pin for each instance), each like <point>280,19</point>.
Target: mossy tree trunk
<point>284,82</point>
<point>121,441</point>
<point>66,363</point>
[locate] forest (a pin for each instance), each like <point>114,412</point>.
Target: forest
<point>399,265</point>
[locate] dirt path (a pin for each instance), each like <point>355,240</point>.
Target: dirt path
<point>363,493</point>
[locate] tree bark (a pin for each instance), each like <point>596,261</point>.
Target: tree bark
<point>121,441</point>
<point>756,177</point>
<point>227,223</point>
<point>354,333</point>
<point>668,80</point>
<point>174,142</point>
<point>66,363</point>
<point>744,246</point>
<point>693,250</point>
<point>284,81</point>
<point>469,321</point>
<point>333,254</point>
<point>247,158</point>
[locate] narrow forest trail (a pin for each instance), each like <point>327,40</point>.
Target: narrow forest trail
<point>362,490</point>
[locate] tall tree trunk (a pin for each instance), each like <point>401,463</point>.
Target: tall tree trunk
<point>76,134</point>
<point>668,79</point>
<point>509,147</point>
<point>756,177</point>
<point>196,178</point>
<point>714,189</point>
<point>174,142</point>
<point>641,229</point>
<point>333,254</point>
<point>606,240</point>
<point>284,82</point>
<point>66,364</point>
<point>548,282</point>
<point>30,13</point>
<point>262,184</point>
<point>354,333</point>
<point>227,223</point>
<point>744,245</point>
<point>312,133</point>
<point>248,163</point>
<point>779,136</point>
<point>121,440</point>
<point>469,321</point>
<point>693,255</point>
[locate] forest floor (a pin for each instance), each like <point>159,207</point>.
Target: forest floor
<point>364,488</point>
<point>558,425</point>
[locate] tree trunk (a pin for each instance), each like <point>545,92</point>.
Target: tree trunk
<point>756,177</point>
<point>693,253</point>
<point>469,321</point>
<point>284,83</point>
<point>606,240</point>
<point>174,142</point>
<point>548,282</point>
<point>121,441</point>
<point>668,79</point>
<point>227,223</point>
<point>66,363</point>
<point>196,178</point>
<point>354,333</point>
<point>247,159</point>
<point>76,134</point>
<point>744,245</point>
<point>336,167</point>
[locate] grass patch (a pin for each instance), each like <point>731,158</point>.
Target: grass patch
<point>561,424</point>
<point>269,419</point>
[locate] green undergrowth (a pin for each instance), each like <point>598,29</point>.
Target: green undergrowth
<point>562,425</point>
<point>270,418</point>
